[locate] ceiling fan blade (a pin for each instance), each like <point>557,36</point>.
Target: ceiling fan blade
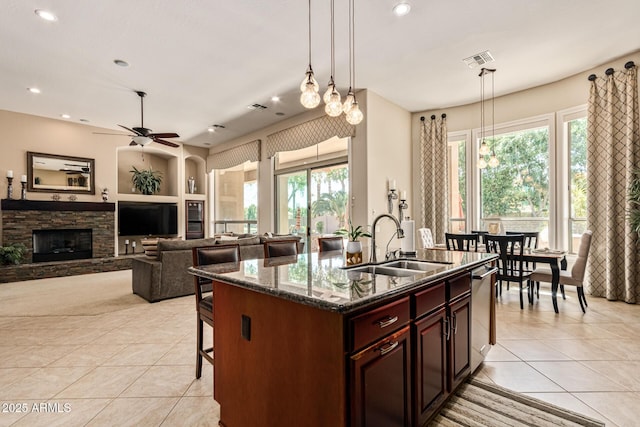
<point>164,135</point>
<point>168,143</point>
<point>106,133</point>
<point>130,130</point>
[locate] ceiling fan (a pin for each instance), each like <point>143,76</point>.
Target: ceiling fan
<point>142,136</point>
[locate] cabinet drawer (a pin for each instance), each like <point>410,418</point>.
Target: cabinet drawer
<point>459,286</point>
<point>377,323</point>
<point>430,299</point>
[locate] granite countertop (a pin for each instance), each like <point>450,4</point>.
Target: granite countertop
<point>321,279</point>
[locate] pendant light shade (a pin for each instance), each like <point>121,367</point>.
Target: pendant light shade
<point>493,161</point>
<point>354,115</point>
<point>482,163</point>
<point>348,101</point>
<point>334,106</point>
<point>310,98</point>
<point>484,149</point>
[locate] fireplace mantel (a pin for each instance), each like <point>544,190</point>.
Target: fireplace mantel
<point>46,205</point>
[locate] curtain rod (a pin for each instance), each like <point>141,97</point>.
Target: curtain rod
<point>609,71</point>
<point>433,117</point>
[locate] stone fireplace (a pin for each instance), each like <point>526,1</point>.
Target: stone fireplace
<point>57,231</point>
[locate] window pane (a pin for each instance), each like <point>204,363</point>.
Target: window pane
<point>577,181</point>
<point>457,186</point>
<point>236,199</point>
<point>292,203</point>
<point>516,192</point>
<point>329,198</point>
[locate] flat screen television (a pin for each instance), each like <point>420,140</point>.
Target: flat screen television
<point>147,219</point>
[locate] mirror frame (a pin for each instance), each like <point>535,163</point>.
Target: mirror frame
<point>56,189</point>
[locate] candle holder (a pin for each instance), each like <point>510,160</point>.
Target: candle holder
<point>391,196</point>
<point>10,187</point>
<point>23,192</point>
<point>401,207</point>
<point>126,247</point>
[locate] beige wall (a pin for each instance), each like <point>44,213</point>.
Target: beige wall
<point>24,132</point>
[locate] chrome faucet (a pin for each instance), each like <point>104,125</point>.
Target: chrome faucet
<point>400,233</point>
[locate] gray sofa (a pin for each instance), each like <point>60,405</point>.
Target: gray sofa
<point>164,274</point>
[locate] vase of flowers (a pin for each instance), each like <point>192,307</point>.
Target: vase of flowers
<point>354,246</point>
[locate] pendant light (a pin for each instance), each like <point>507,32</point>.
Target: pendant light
<point>493,161</point>
<point>484,149</point>
<point>310,98</point>
<point>351,107</point>
<point>331,97</point>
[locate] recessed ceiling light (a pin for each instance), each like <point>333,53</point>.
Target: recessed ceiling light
<point>46,15</point>
<point>401,9</point>
<point>211,129</point>
<point>65,116</point>
<point>33,89</point>
<point>121,62</point>
<point>275,98</point>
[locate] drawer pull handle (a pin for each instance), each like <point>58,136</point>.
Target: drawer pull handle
<point>387,322</point>
<point>387,347</point>
<point>446,329</point>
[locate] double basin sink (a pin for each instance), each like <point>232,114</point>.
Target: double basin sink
<point>401,268</point>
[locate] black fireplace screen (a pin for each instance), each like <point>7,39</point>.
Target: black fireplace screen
<point>62,245</point>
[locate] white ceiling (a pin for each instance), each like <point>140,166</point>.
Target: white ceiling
<point>202,62</point>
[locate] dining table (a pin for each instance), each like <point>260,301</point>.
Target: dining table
<point>555,258</point>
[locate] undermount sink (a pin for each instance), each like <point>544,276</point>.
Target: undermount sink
<point>384,270</point>
<point>415,265</point>
<point>401,268</point>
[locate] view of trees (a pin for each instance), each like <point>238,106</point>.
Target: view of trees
<point>578,152</point>
<point>519,185</point>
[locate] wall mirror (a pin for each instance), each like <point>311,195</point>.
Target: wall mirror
<point>55,173</point>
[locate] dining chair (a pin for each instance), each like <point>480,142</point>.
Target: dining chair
<point>480,234</point>
<point>531,239</point>
<point>330,243</point>
<point>206,255</point>
<point>573,277</point>
<point>510,249</point>
<point>462,242</point>
<point>280,248</point>
<point>427,238</point>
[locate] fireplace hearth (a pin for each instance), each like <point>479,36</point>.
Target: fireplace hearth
<point>62,244</point>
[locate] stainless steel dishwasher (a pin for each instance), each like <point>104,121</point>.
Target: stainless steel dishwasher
<point>482,291</point>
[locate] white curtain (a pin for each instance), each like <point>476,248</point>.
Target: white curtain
<point>613,152</point>
<point>434,186</point>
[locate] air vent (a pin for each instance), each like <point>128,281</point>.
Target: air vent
<point>479,59</point>
<point>256,107</point>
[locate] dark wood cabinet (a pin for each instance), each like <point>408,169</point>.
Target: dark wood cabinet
<point>431,364</point>
<point>194,214</point>
<point>460,341</point>
<point>381,383</point>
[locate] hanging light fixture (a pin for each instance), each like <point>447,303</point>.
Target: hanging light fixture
<point>484,149</point>
<point>331,97</point>
<point>310,98</point>
<point>351,107</point>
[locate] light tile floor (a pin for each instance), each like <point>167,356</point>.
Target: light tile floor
<point>82,351</point>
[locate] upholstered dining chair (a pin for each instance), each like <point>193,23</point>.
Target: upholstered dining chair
<point>462,242</point>
<point>206,255</point>
<point>510,249</point>
<point>330,243</point>
<point>427,238</point>
<point>280,248</point>
<point>573,277</point>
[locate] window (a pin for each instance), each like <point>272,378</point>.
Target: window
<point>516,193</point>
<point>577,139</point>
<point>236,199</point>
<point>312,189</point>
<point>456,154</point>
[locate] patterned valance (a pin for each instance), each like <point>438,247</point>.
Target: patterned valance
<point>308,134</point>
<point>235,156</point>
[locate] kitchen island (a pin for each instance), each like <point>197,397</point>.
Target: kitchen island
<point>303,341</point>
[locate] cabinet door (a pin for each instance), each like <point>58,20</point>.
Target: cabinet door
<point>195,219</point>
<point>381,383</point>
<point>431,364</point>
<point>460,343</point>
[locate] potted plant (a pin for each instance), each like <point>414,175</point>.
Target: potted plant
<point>147,181</point>
<point>12,254</point>
<point>354,246</point>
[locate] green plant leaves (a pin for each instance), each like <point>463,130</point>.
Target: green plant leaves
<point>147,181</point>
